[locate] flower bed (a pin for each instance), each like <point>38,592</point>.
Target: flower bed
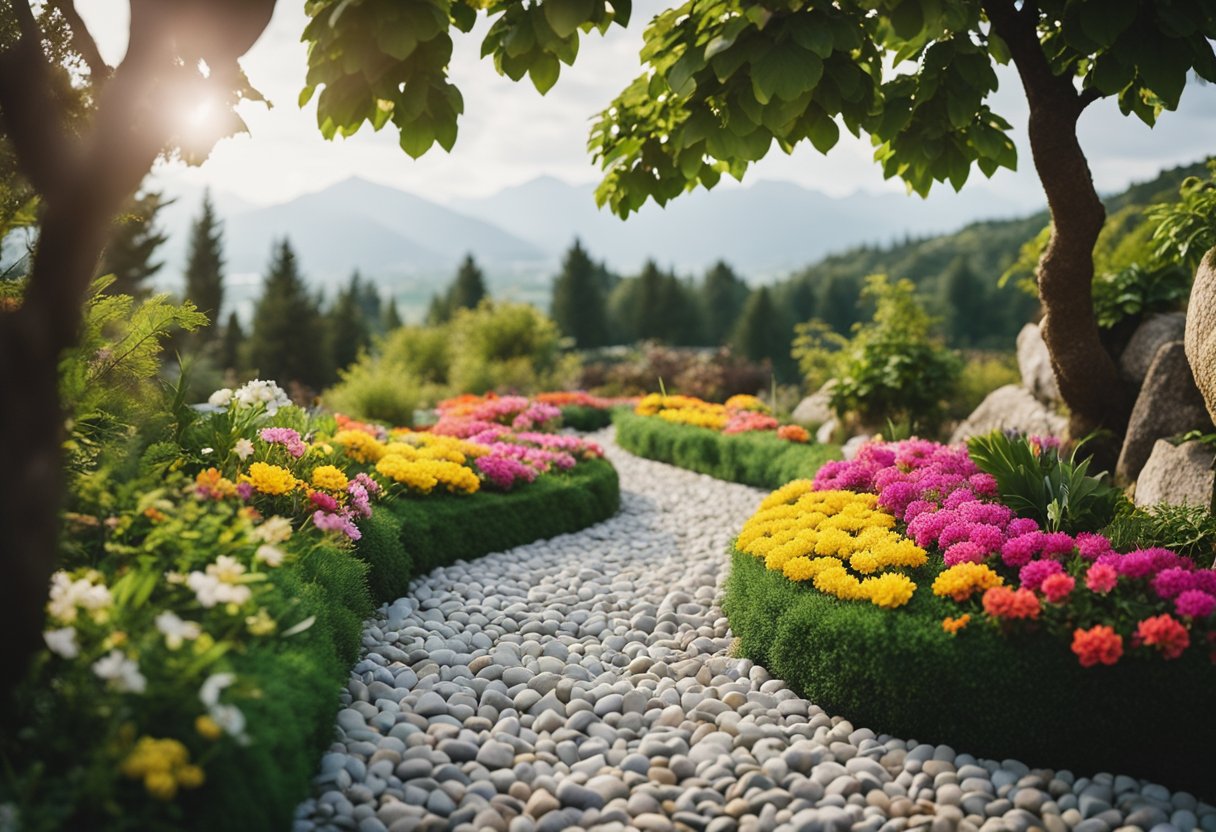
<point>577,410</point>
<point>759,458</point>
<point>211,605</point>
<point>901,591</point>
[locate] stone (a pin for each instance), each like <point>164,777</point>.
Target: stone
<point>1200,337</point>
<point>1011,407</point>
<point>815,409</point>
<point>580,797</point>
<point>1034,363</point>
<point>853,444</point>
<point>1169,404</point>
<point>1178,475</point>
<point>496,755</point>
<point>1154,332</point>
<point>826,432</point>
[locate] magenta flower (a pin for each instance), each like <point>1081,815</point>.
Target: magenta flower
<point>1034,573</point>
<point>1195,603</point>
<point>1101,578</point>
<point>286,437</point>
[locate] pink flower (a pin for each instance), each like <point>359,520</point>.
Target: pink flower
<point>1101,578</point>
<point>1034,573</point>
<point>323,501</point>
<point>341,522</point>
<point>1018,551</point>
<point>1195,603</point>
<point>1091,546</point>
<point>1056,588</point>
<point>286,437</point>
<point>1020,526</point>
<point>1165,633</point>
<point>1056,544</point>
<point>964,552</point>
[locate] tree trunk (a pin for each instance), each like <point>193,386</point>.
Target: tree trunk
<point>1089,380</point>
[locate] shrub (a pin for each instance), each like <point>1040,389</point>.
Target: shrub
<point>1138,290</point>
<point>378,390</point>
<point>505,347</point>
<point>1187,530</point>
<point>981,374</point>
<point>892,369</point>
<point>759,459</point>
<point>708,374</point>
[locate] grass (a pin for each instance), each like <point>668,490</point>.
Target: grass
<point>758,458</point>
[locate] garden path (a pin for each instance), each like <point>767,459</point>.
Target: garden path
<point>587,682</point>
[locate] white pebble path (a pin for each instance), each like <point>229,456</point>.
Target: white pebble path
<point>586,683</point>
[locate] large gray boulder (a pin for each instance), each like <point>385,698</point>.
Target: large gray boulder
<point>1034,362</point>
<point>1178,475</point>
<point>815,409</point>
<point>1011,407</point>
<point>1153,333</point>
<point>1169,404</point>
<point>1201,330</point>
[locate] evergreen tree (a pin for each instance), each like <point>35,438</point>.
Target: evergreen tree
<point>133,243</point>
<point>347,330</point>
<point>680,312</point>
<point>439,311</point>
<point>391,318</point>
<point>370,304</point>
<point>287,338</point>
<point>968,312</point>
<point>468,288</point>
<point>205,264</point>
<point>647,313</point>
<point>758,335</point>
<point>723,295</point>
<point>231,343</point>
<point>838,302</point>
<point>578,300</point>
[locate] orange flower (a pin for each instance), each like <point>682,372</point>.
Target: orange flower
<point>953,625</point>
<point>1097,645</point>
<point>1165,633</point>
<point>793,433</point>
<point>1003,602</point>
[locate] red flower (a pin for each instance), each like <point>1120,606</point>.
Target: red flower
<point>1003,602</point>
<point>1097,645</point>
<point>1056,588</point>
<point>1165,633</point>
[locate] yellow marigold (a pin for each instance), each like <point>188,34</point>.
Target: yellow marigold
<point>888,590</point>
<point>745,402</point>
<point>359,446</point>
<point>962,580</point>
<point>788,494</point>
<point>161,785</point>
<point>208,728</point>
<point>329,478</point>
<point>163,765</point>
<point>214,484</point>
<point>953,625</point>
<point>695,417</point>
<point>270,479</point>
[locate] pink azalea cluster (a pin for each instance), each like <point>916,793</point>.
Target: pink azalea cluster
<point>517,412</point>
<point>288,438</point>
<point>332,516</point>
<point>744,421</point>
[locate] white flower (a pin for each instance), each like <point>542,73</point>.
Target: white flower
<point>273,530</point>
<point>264,392</point>
<point>243,448</point>
<point>221,397</point>
<point>62,642</point>
<point>227,568</point>
<point>67,595</point>
<point>209,693</point>
<point>211,590</point>
<point>206,451</point>
<point>175,630</point>
<point>122,673</point>
<point>228,717</point>
<point>272,556</point>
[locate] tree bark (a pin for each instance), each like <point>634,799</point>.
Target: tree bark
<point>1089,380</point>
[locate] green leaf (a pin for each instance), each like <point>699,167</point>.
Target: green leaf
<point>565,16</point>
<point>812,34</point>
<point>417,138</point>
<point>464,16</point>
<point>786,72</point>
<point>544,72</point>
<point>396,41</point>
<point>908,19</point>
<point>823,132</point>
<point>1105,21</point>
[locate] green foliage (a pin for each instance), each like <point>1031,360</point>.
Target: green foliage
<point>1137,290</point>
<point>982,373</point>
<point>1036,482</point>
<point>372,389</point>
<point>286,340</point>
<point>205,263</point>
<point>723,295</point>
<point>578,305</point>
<point>586,419</point>
<point>231,344</point>
<point>132,246</point>
<point>504,346</point>
<point>467,291</point>
<point>757,458</point>
<point>347,332</point>
<point>1187,530</point>
<point>1186,229</point>
<point>756,337</point>
<point>884,669</point>
<point>892,369</point>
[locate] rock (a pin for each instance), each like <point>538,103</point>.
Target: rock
<point>1200,337</point>
<point>815,409</point>
<point>826,432</point>
<point>1010,408</point>
<point>1034,362</point>
<point>1169,404</point>
<point>1153,333</point>
<point>853,445</point>
<point>1177,475</point>
<point>496,755</point>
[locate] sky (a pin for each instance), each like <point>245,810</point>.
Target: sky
<point>510,134</point>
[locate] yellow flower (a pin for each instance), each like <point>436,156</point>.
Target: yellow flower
<point>745,402</point>
<point>260,624</point>
<point>359,446</point>
<point>270,479</point>
<point>953,625</point>
<point>160,784</point>
<point>962,580</point>
<point>208,728</point>
<point>329,478</point>
<point>190,777</point>
<point>163,765</point>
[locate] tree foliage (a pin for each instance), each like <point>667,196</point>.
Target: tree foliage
<point>578,306</point>
<point>286,341</point>
<point>205,262</point>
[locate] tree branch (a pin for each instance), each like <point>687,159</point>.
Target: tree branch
<point>1088,96</point>
<point>25,20</point>
<point>83,41</point>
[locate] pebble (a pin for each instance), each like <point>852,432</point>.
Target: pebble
<point>587,683</point>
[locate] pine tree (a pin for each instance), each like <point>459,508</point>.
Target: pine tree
<point>647,311</point>
<point>968,314</point>
<point>439,312</point>
<point>369,301</point>
<point>347,330</point>
<point>205,265</point>
<point>468,288</point>
<point>231,343</point>
<point>578,300</point>
<point>760,334</point>
<point>133,243</point>
<point>838,302</point>
<point>723,295</point>
<point>391,319</point>
<point>680,312</point>
<point>286,341</point>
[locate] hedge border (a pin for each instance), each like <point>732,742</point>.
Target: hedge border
<point>291,724</point>
<point>898,672</point>
<point>586,419</point>
<point>757,458</point>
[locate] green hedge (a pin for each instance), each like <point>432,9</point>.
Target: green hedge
<point>757,458</point>
<point>291,725</point>
<point>586,419</point>
<point>1023,697</point>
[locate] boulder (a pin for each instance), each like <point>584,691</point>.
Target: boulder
<point>1201,331</point>
<point>1011,407</point>
<point>1034,362</point>
<point>1153,333</point>
<point>815,409</point>
<point>827,431</point>
<point>850,449</point>
<point>1177,474</point>
<point>1169,404</point>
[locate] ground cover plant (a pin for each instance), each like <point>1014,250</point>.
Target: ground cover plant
<point>737,441</point>
<point>913,558</point>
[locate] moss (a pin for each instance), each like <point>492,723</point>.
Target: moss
<point>1024,697</point>
<point>759,459</point>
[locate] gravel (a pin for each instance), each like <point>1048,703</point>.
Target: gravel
<point>587,682</point>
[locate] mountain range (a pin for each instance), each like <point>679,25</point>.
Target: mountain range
<point>411,245</point>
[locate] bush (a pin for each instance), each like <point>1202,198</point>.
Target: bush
<point>1024,697</point>
<point>758,458</point>
<point>714,375</point>
<point>377,390</point>
<point>982,373</point>
<point>505,347</point>
<point>1187,530</point>
<point>586,419</point>
<point>892,370</point>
